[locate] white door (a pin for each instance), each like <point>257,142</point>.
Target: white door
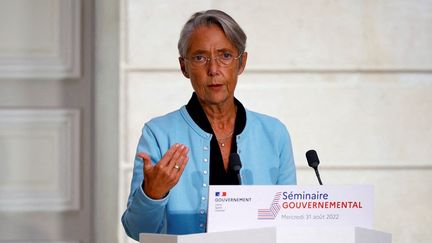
<point>45,121</point>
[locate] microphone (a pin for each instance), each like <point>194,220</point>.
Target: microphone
<point>235,165</point>
<point>313,161</point>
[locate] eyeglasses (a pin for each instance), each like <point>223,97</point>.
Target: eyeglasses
<point>223,59</point>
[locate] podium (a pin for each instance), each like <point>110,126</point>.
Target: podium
<point>285,214</point>
<point>280,234</point>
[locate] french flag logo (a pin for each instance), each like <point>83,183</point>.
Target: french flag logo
<point>220,194</point>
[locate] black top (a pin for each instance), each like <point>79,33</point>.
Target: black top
<point>218,175</point>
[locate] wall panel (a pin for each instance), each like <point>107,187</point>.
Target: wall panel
<point>40,39</point>
<point>40,154</point>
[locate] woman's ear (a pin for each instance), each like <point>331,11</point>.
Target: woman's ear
<point>243,62</point>
<point>183,67</point>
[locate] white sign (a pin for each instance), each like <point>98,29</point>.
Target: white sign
<point>245,207</point>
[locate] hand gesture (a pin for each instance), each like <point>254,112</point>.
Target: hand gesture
<point>164,175</point>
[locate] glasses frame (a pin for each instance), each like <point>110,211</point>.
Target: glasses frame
<point>208,59</point>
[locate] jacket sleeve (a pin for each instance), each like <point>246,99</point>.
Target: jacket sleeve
<point>143,214</point>
<point>287,170</point>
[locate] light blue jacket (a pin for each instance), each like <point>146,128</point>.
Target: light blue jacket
<point>265,150</point>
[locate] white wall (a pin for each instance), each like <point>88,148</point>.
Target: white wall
<point>351,79</point>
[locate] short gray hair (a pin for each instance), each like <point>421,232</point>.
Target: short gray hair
<point>229,26</point>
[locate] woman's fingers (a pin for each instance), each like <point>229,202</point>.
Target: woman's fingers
<point>163,176</point>
<point>182,165</point>
<point>172,157</point>
<point>167,157</point>
<point>146,159</point>
<point>178,160</point>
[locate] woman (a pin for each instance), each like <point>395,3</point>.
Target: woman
<point>181,153</point>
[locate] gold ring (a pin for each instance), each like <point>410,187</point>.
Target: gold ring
<point>177,167</point>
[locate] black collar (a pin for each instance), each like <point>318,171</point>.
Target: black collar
<point>218,175</point>
<point>197,113</point>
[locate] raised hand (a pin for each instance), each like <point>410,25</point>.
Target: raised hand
<point>164,175</point>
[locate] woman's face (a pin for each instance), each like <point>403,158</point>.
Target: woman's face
<point>214,84</point>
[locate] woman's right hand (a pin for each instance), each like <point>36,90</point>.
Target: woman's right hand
<point>164,175</point>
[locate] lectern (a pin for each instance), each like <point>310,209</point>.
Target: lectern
<point>280,234</point>
<point>285,214</point>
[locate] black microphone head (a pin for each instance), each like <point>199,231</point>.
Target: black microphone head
<point>234,162</point>
<point>312,159</point>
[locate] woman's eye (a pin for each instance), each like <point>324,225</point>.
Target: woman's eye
<point>226,55</point>
<point>199,58</point>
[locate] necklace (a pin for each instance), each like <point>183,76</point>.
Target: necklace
<point>221,141</point>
